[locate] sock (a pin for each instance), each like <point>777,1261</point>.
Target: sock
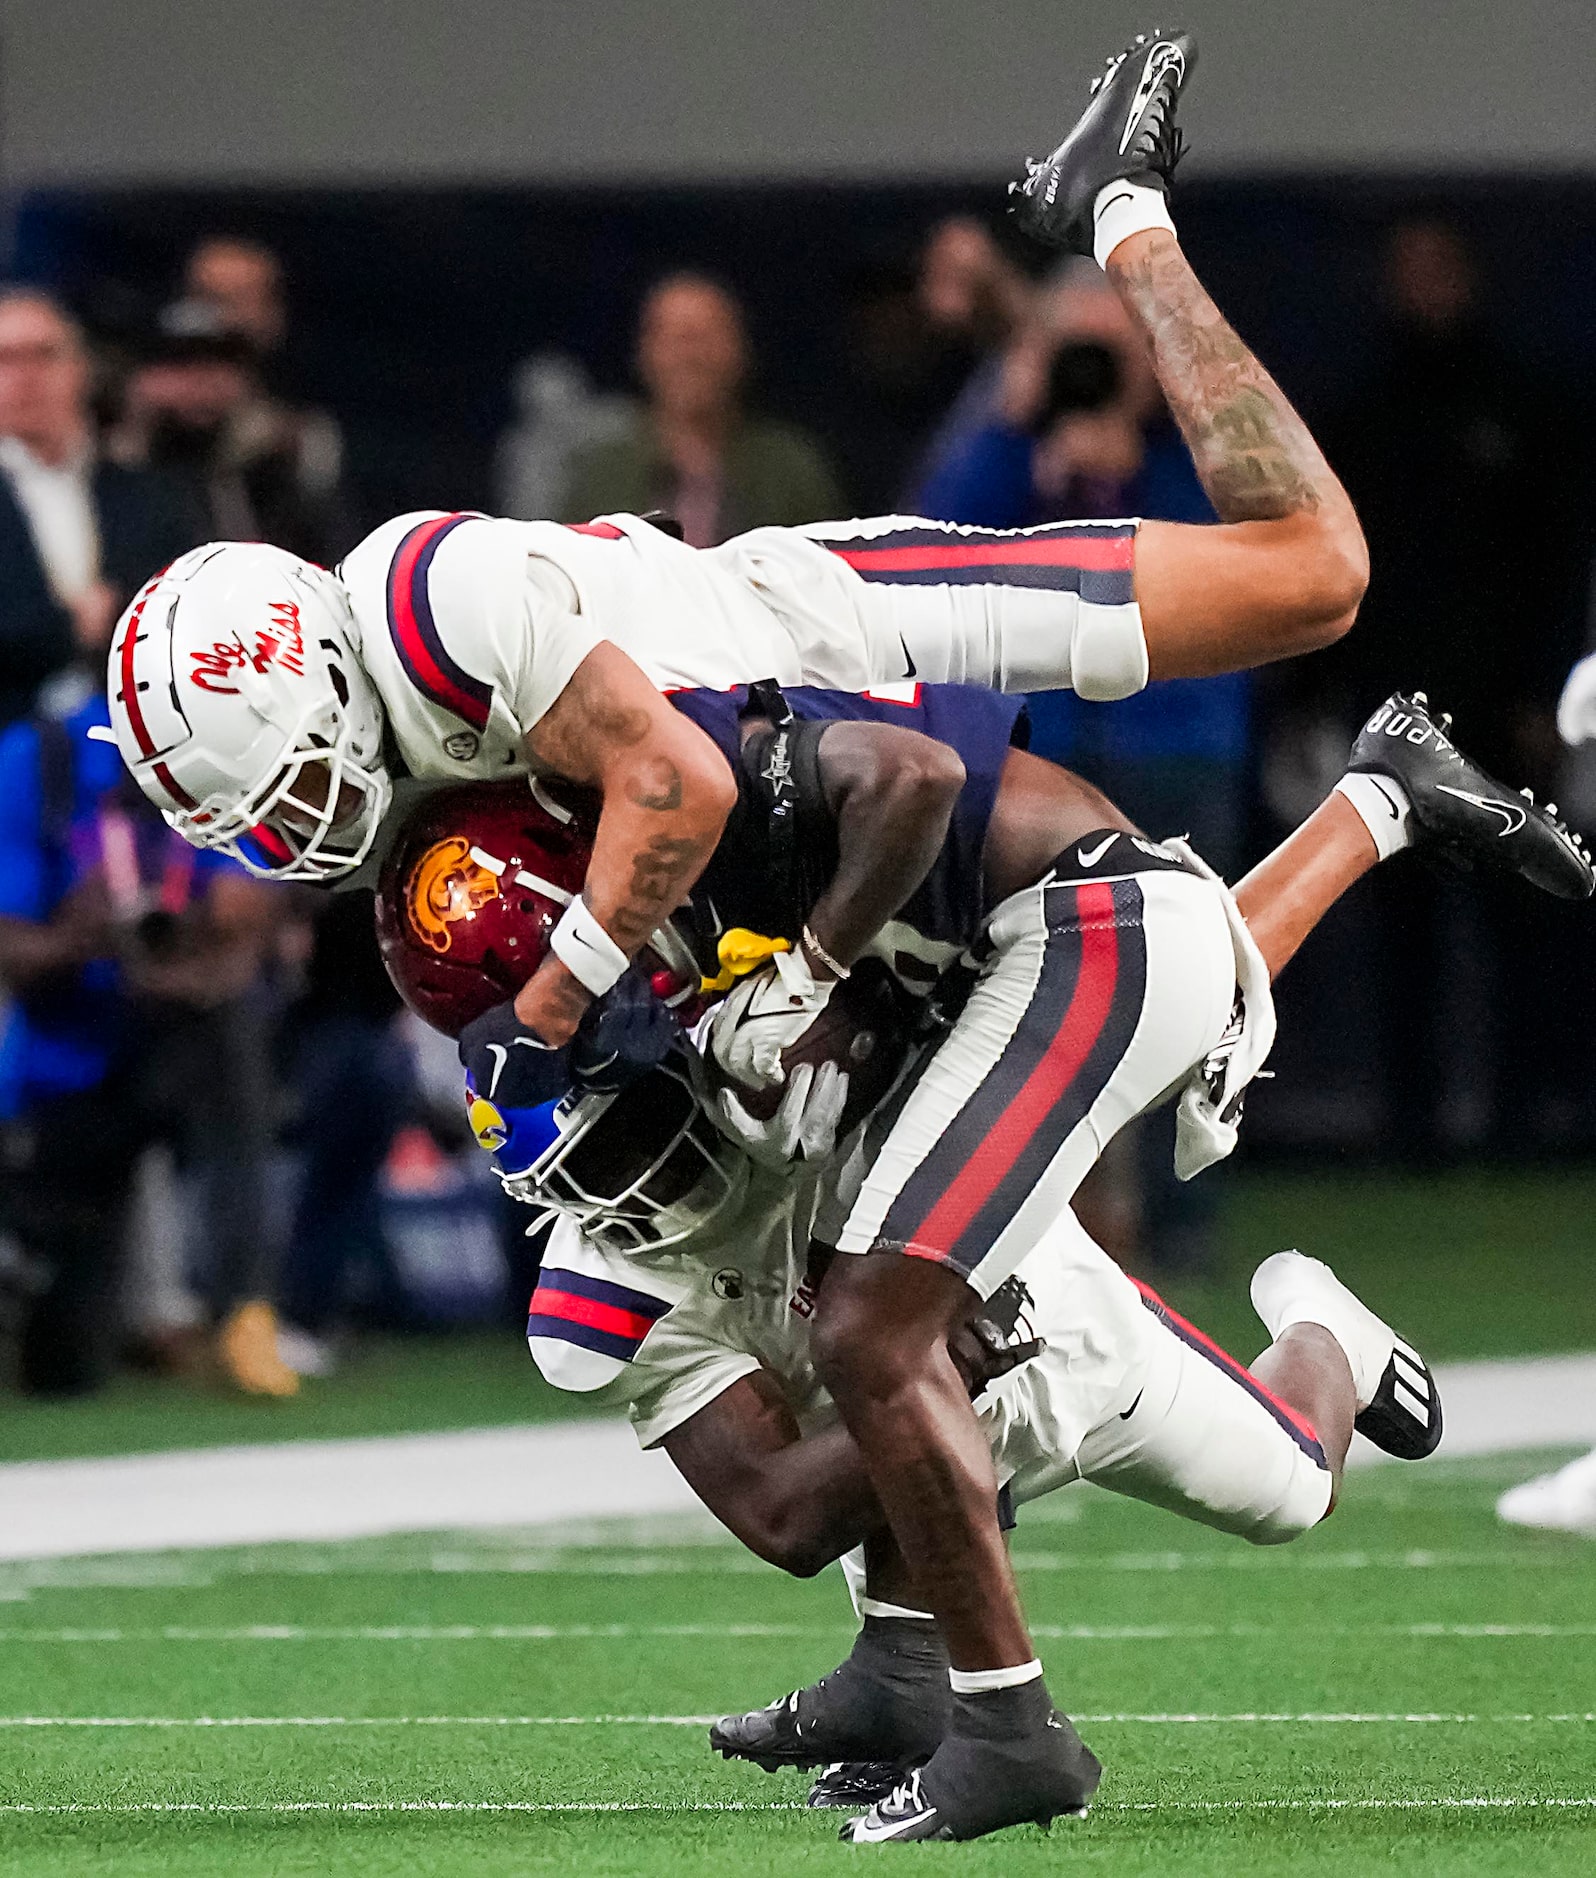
<point>875,1607</point>
<point>1290,1289</point>
<point>889,1697</point>
<point>1383,808</point>
<point>985,1681</point>
<point>1124,209</point>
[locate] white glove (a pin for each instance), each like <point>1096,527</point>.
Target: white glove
<point>1576,708</point>
<point>804,1126</point>
<point>765,1012</point>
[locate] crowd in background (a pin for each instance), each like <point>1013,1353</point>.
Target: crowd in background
<point>220,1141</point>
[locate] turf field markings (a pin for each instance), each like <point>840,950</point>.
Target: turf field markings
<point>421,1633</point>
<point>1248,1717</point>
<point>123,1808</point>
<point>562,1633</point>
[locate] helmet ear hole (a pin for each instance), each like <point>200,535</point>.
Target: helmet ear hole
<point>340,684</point>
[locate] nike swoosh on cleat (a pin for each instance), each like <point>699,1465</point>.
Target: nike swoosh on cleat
<point>1090,859</point>
<point>1513,817</point>
<point>869,1831</point>
<point>1162,57</point>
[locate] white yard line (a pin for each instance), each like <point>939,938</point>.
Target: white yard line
<point>550,1475</point>
<point>727,1633</point>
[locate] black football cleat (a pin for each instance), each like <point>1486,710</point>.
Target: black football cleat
<point>982,1780</point>
<point>889,1701</point>
<point>1460,811</point>
<point>1404,1414</point>
<point>1127,133</point>
<point>856,1783</point>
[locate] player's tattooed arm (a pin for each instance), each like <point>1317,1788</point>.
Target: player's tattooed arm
<point>1287,572</point>
<point>666,793</point>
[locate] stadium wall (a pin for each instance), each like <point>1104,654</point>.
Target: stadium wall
<point>547,91</point>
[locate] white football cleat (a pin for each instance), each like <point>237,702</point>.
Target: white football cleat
<point>1561,1502</point>
<point>1399,1407</point>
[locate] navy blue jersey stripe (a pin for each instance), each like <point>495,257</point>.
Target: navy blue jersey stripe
<point>602,1291</point>
<point>414,630</point>
<point>585,1337</point>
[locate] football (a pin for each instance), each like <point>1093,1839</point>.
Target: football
<point>864,1028</point>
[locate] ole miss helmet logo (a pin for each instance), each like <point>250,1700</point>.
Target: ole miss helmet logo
<point>447,884</point>
<point>280,642</point>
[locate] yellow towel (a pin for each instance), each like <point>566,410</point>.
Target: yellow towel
<point>740,952</point>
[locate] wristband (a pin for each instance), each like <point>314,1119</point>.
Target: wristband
<point>1125,209</point>
<point>586,950</point>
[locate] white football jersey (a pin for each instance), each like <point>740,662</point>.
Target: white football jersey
<point>664,1334</point>
<point>472,626</point>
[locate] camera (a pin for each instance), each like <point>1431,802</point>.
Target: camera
<point>1084,376</point>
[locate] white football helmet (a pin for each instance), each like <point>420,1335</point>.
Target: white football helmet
<point>240,707</point>
<point>637,1172</point>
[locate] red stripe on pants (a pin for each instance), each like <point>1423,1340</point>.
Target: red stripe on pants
<point>1089,1006</point>
<point>1094,554</point>
<point>1240,1371</point>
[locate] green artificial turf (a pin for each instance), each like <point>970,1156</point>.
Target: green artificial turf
<point>1466,1265</point>
<point>1411,1602</point>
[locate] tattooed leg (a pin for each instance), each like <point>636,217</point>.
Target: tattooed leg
<point>1287,568</point>
<point>1254,455</point>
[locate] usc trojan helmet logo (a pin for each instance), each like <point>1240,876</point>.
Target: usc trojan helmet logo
<point>448,883</point>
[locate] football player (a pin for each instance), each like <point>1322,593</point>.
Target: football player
<point>267,704</point>
<point>875,800</point>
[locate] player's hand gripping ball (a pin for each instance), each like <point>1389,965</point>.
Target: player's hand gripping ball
<point>764,1013</point>
<point>850,1052</point>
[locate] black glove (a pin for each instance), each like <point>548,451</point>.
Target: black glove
<point>509,1064</point>
<point>623,1035</point>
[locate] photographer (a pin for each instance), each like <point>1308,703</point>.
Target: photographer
<point>132,960</point>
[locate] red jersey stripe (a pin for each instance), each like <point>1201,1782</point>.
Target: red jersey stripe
<point>548,1302</point>
<point>424,667</point>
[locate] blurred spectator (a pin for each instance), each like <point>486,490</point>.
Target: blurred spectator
<point>263,470</point>
<point>1472,482</point>
<point>78,535</point>
<point>1068,424</point>
<point>694,450</point>
<point>558,415</point>
<point>913,333</point>
<point>131,958</point>
<point>1471,479</point>
<point>354,1089</point>
<point>242,283</point>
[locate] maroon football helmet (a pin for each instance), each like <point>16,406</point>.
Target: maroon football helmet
<point>470,892</point>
